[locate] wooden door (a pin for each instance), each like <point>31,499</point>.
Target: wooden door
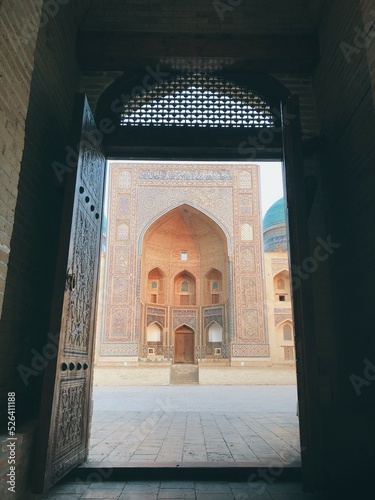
<point>184,345</point>
<point>66,400</point>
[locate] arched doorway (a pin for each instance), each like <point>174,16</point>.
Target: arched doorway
<point>184,345</point>
<point>184,278</point>
<point>278,138</point>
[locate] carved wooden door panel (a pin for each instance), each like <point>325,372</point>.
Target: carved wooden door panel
<point>66,401</point>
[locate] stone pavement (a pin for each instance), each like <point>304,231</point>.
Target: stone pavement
<point>188,490</point>
<point>167,424</point>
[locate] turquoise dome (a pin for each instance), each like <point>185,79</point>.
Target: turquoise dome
<point>274,228</point>
<point>275,215</point>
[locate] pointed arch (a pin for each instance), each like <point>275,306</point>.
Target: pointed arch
<point>154,332</point>
<point>180,204</point>
<point>214,332</point>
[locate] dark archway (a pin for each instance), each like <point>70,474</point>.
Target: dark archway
<point>280,141</point>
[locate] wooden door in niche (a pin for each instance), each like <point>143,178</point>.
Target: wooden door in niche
<point>184,345</point>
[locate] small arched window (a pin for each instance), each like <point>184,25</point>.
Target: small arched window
<point>287,333</point>
<point>215,285</point>
<point>154,284</point>
<point>184,286</point>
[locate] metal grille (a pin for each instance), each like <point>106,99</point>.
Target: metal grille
<point>197,100</point>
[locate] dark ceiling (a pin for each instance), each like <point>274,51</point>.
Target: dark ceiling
<point>237,35</point>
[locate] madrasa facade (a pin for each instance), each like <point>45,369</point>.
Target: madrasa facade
<point>190,273</point>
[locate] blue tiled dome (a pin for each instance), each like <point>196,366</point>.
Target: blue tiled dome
<point>275,215</point>
<point>274,228</point>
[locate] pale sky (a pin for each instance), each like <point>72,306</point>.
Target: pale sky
<point>271,184</point>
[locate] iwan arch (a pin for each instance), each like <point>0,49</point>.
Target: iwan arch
<point>184,265</point>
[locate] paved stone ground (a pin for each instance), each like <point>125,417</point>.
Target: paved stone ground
<point>194,424</point>
<point>188,490</point>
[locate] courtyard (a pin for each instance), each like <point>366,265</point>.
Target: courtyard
<point>194,424</point>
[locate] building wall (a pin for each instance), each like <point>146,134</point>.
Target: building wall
<point>139,195</point>
<point>279,313</point>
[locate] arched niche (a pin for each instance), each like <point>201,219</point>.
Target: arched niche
<point>154,333</point>
<point>184,289</point>
<point>281,286</point>
<point>181,242</point>
<point>213,287</point>
<point>215,332</point>
<point>155,286</point>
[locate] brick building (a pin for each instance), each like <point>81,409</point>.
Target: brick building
<point>185,268</point>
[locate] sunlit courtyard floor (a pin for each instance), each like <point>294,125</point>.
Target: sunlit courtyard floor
<point>164,424</point>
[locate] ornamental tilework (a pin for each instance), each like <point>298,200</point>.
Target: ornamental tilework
<point>152,318</point>
<point>247,255</point>
<point>157,311</point>
<point>168,351</point>
<point>250,330</point>
<point>124,179</point>
<point>211,311</point>
<point>245,181</point>
<point>123,205</point>
<point>119,325</point>
<point>218,318</point>
<point>213,201</point>
<point>117,349</point>
<point>121,260</point>
<point>279,318</point>
<point>185,175</point>
<point>250,350</point>
<point>279,265</point>
<point>248,291</point>
<point>184,317</point>
<point>122,231</point>
<point>120,291</point>
<point>247,232</point>
<point>246,204</point>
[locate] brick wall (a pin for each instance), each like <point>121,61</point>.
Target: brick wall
<point>36,213</point>
<point>18,33</point>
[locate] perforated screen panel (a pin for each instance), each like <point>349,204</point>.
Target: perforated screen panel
<point>197,100</point>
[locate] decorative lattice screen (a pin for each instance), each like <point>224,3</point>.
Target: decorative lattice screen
<point>198,100</point>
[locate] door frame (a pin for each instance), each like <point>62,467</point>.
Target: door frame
<point>291,154</point>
